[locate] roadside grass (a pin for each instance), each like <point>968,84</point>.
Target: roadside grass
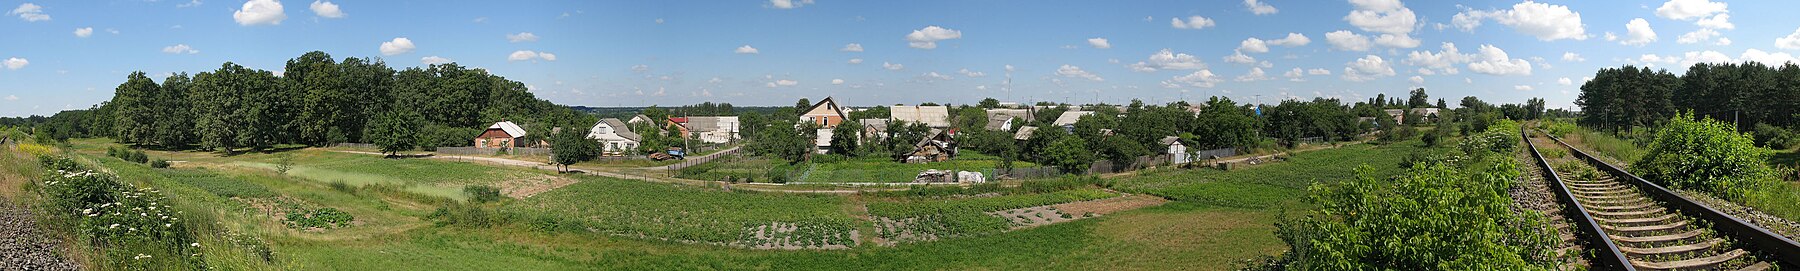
<point>1620,151</point>
<point>702,214</point>
<point>1267,185</point>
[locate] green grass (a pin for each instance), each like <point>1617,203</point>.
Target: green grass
<point>1620,150</point>
<point>881,169</point>
<point>1269,184</point>
<point>656,210</point>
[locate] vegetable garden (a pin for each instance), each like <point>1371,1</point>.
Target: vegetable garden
<point>689,214</point>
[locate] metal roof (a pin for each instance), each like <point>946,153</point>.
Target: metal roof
<point>510,128</point>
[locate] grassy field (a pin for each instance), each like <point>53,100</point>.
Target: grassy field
<point>881,169</point>
<point>1219,218</point>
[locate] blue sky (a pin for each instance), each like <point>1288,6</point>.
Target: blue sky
<point>58,55</point>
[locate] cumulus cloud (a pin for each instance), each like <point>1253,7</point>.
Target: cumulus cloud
<point>1201,78</point>
<point>1689,9</point>
<point>1259,8</point>
<point>1240,58</point>
<point>1638,33</point>
<point>971,74</point>
<point>1564,81</point>
<point>854,61</point>
<point>1767,58</point>
<point>892,66</point>
<point>1402,41</point>
<point>1344,40</point>
<point>1721,21</point>
<point>788,4</point>
<point>84,32</point>
<point>1072,71</point>
<point>1382,16</point>
<point>522,37</point>
<point>1099,43</point>
<point>1168,60</point>
<point>1367,68</point>
<point>434,60</point>
<point>1444,61</point>
<point>1573,57</point>
<point>746,49</point>
<point>327,9</point>
<point>1522,87</point>
<point>1492,60</point>
<point>257,12</point>
<point>1545,21</point>
<point>1193,22</point>
<point>14,63</point>
<point>837,81</point>
<point>180,49</point>
<point>853,47</point>
<point>12,97</point>
<point>1255,74</point>
<point>1253,45</point>
<point>397,46</point>
<point>1704,34</point>
<point>524,55</point>
<point>783,83</point>
<point>30,12</point>
<point>1790,42</point>
<point>1416,80</point>
<point>927,38</point>
<point>1292,40</point>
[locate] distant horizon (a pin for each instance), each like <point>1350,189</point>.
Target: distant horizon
<point>629,53</point>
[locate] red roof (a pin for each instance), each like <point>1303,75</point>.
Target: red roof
<point>678,120</point>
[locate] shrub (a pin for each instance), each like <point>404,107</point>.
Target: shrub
<point>133,228</point>
<point>482,193</point>
<point>1705,155</point>
<point>319,218</point>
<point>159,163</point>
<point>1773,137</point>
<point>468,215</point>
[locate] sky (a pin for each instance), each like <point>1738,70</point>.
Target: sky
<point>58,55</point>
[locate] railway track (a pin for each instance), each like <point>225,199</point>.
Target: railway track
<point>1632,224</point>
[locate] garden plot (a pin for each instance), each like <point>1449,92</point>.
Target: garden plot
<point>690,214</point>
<point>1052,214</point>
<point>527,185</point>
<point>932,219</point>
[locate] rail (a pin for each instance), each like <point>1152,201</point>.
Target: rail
<point>1609,254</point>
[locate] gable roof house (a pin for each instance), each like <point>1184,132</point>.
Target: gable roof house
<point>1067,119</point>
<point>826,113</point>
<point>614,136</point>
<point>934,116</point>
<point>639,118</point>
<point>714,129</point>
<point>874,128</point>
<point>503,134</point>
<point>678,125</point>
<point>1399,115</point>
<point>1025,133</point>
<point>1177,152</point>
<point>937,146</point>
<point>1002,119</point>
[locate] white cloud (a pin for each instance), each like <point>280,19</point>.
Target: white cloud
<point>1564,81</point>
<point>522,37</point>
<point>12,97</point>
<point>1072,71</point>
<point>1201,78</point>
<point>523,55</point>
<point>784,83</point>
<point>1444,60</point>
<point>1721,21</point>
<point>1790,42</point>
<point>1294,73</point>
<point>1545,21</point>
<point>927,38</point>
<point>434,60</point>
<point>1402,41</point>
<point>397,46</point>
<point>1416,80</point>
<point>640,68</point>
<point>1573,57</point>
<point>1255,74</point>
<point>257,12</point>
<point>852,47</point>
<point>327,9</point>
<point>180,49</point>
<point>30,12</point>
<point>788,4</point>
<point>1492,60</point>
<point>1638,33</point>
<point>14,63</point>
<point>1292,40</point>
<point>84,32</point>
<point>971,74</point>
<point>1318,72</point>
<point>1771,59</point>
<point>746,49</point>
<point>1522,87</point>
<point>1099,43</point>
<point>935,76</point>
<point>1367,68</point>
<point>854,61</point>
<point>1723,41</point>
<point>1168,60</point>
<point>892,66</point>
<point>1691,58</point>
<point>1253,45</point>
<point>1240,58</point>
<point>1193,22</point>
<point>1260,8</point>
<point>837,81</point>
<point>189,4</point>
<point>1689,9</point>
<point>1344,40</point>
<point>1704,34</point>
<point>1382,16</point>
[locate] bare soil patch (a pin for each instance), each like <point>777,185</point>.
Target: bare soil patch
<point>527,186</point>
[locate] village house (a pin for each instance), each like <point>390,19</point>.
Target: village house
<point>827,114</point>
<point>934,116</point>
<point>678,125</point>
<point>1399,115</point>
<point>1177,152</point>
<point>1002,119</point>
<point>937,146</point>
<point>1025,133</point>
<point>1430,113</point>
<point>874,129</point>
<point>713,129</point>
<point>503,134</point>
<point>1067,119</point>
<point>615,138</point>
<point>639,118</point>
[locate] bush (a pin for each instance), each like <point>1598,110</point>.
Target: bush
<point>133,228</point>
<point>472,216</point>
<point>1770,136</point>
<point>159,163</point>
<point>482,193</point>
<point>319,218</point>
<point>1705,155</point>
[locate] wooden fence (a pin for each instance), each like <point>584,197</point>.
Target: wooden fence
<point>492,151</point>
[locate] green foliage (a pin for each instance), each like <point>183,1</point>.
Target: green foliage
<point>469,216</point>
<point>960,217</point>
<point>844,138</point>
<point>319,218</point>
<point>1621,98</point>
<point>1705,155</point>
<point>159,163</point>
<point>1069,154</point>
<point>608,206</point>
<point>482,193</point>
<point>132,228</point>
<point>572,146</point>
<point>1770,136</point>
<point>395,131</point>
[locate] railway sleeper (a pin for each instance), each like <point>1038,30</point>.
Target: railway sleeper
<point>1708,262</point>
<point>1626,214</point>
<point>1651,229</point>
<point>1602,190</point>
<point>1622,207</point>
<point>1635,221</point>
<point>1656,240</point>
<point>1675,249</point>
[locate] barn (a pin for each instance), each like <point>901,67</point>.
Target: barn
<point>503,134</point>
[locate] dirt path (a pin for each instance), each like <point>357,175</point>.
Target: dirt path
<point>22,247</point>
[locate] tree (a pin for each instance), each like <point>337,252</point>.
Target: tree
<point>844,138</point>
<point>989,103</point>
<point>1418,99</point>
<point>1069,154</point>
<point>395,131</point>
<point>802,104</point>
<point>324,102</point>
<point>175,121</point>
<point>136,100</point>
<point>572,146</point>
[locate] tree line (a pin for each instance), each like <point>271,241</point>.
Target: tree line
<point>318,101</point>
<point>1745,94</point>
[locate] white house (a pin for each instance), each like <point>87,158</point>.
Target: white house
<point>1067,119</point>
<point>714,129</point>
<point>1002,119</point>
<point>1177,152</point>
<point>934,116</point>
<point>615,138</point>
